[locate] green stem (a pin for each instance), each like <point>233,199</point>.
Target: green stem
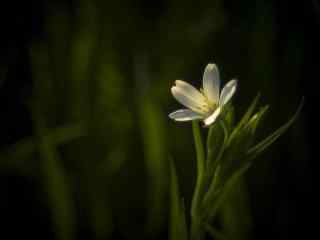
<point>195,228</point>
<point>200,165</point>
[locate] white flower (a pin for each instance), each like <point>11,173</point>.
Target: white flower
<point>205,104</point>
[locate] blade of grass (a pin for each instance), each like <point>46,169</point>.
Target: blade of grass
<point>245,117</point>
<point>178,226</point>
<point>221,195</point>
<point>22,150</point>
<point>229,118</point>
<point>215,139</point>
<point>261,146</point>
<point>256,119</point>
<point>56,183</point>
<point>214,168</point>
<point>153,136</point>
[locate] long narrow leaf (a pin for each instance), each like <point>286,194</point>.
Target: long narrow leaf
<point>256,119</point>
<point>245,117</point>
<point>15,155</point>
<point>178,226</point>
<point>215,141</point>
<point>214,168</point>
<point>229,118</point>
<point>56,184</point>
<point>220,197</point>
<point>153,136</point>
<point>231,162</point>
<point>261,146</point>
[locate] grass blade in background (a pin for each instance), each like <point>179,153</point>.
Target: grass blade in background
<point>153,134</point>
<point>17,156</point>
<point>178,226</point>
<point>56,184</point>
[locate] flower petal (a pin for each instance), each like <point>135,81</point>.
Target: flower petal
<point>211,83</point>
<point>191,91</point>
<point>185,115</point>
<point>227,92</point>
<point>189,101</point>
<point>213,117</point>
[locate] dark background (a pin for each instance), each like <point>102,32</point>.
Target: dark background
<point>272,46</point>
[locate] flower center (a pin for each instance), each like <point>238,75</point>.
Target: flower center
<point>212,106</point>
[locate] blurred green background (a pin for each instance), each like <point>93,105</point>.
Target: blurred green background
<point>84,98</point>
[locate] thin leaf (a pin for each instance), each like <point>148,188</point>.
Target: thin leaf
<point>251,127</point>
<point>56,183</point>
<point>214,183</point>
<point>261,146</point>
<point>153,136</point>
<point>226,163</point>
<point>229,118</point>
<point>215,139</point>
<point>245,117</point>
<point>256,119</point>
<point>233,154</point>
<point>214,166</point>
<point>220,196</point>
<point>231,160</point>
<point>16,154</point>
<point>178,226</point>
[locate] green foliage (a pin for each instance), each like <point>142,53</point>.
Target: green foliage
<point>261,146</point>
<point>229,156</point>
